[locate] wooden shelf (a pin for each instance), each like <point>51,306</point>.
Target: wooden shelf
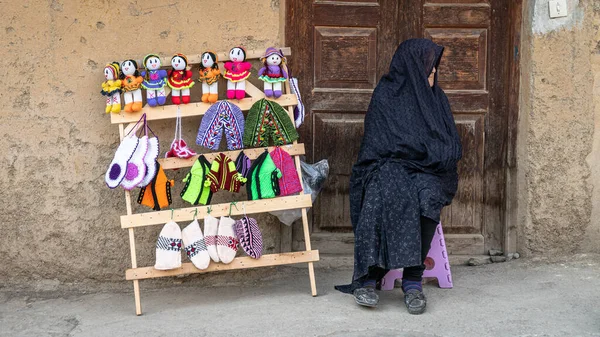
<point>192,109</point>
<point>238,263</point>
<point>217,210</point>
<point>252,153</point>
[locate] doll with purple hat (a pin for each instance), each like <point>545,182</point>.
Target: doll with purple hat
<point>272,72</point>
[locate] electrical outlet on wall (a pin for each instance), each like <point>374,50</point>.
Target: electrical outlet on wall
<point>558,8</point>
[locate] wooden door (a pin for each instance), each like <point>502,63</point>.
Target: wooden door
<point>342,48</point>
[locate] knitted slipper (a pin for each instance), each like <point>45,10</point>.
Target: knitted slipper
<point>136,168</point>
<point>247,231</point>
<point>211,227</point>
<point>194,244</point>
<point>118,166</point>
<point>227,243</point>
<point>149,161</point>
<point>168,247</point>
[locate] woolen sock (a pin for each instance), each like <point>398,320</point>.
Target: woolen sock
<point>211,228</point>
<point>161,100</point>
<point>409,285</point>
<point>240,94</point>
<point>195,247</point>
<point>175,99</point>
<point>269,92</point>
<point>277,93</point>
<point>185,99</point>
<point>227,242</point>
<point>151,101</point>
<point>168,247</point>
<point>231,94</point>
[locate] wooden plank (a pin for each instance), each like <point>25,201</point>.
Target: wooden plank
<point>187,214</point>
<point>191,109</point>
<point>237,263</point>
<point>463,15</point>
<point>465,244</point>
<point>176,163</point>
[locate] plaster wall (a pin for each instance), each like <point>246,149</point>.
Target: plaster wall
<point>59,220</point>
<point>559,134</point>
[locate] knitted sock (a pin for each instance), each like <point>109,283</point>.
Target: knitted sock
<point>230,94</point>
<point>137,106</point>
<point>212,98</point>
<point>368,283</point>
<point>168,247</point>
<point>227,243</point>
<point>161,99</point>
<point>409,285</point>
<point>277,93</point>
<point>175,100</point>
<point>118,167</point>
<point>240,94</point>
<point>194,244</point>
<point>185,99</point>
<point>211,228</point>
<point>204,98</point>
<point>136,168</point>
<point>269,92</point>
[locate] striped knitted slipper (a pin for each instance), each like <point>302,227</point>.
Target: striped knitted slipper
<point>168,247</point>
<point>248,233</point>
<point>194,245</point>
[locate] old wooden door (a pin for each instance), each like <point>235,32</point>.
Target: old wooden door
<point>342,48</point>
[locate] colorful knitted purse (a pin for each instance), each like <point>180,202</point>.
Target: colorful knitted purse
<point>263,178</point>
<point>179,147</point>
<point>195,191</point>
<point>157,194</point>
<point>249,236</point>
<point>267,119</point>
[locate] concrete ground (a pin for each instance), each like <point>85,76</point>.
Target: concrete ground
<point>525,297</point>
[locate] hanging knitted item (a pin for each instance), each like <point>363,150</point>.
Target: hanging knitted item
<point>136,168</point>
<point>150,161</point>
<point>267,119</point>
<point>249,236</point>
<point>211,228</point>
<point>195,191</point>
<point>157,194</point>
<point>289,183</point>
<point>242,164</point>
<point>299,108</point>
<point>168,247</point>
<point>223,175</point>
<point>226,116</point>
<point>194,245</point>
<point>118,166</point>
<point>179,147</point>
<point>227,242</point>
<point>263,178</point>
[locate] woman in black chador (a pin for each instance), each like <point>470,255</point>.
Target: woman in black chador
<point>404,175</point>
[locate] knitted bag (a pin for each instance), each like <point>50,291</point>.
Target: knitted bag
<point>267,119</point>
<point>195,191</point>
<point>157,194</point>
<point>289,183</point>
<point>263,178</point>
<point>223,175</point>
<point>221,115</point>
<point>247,231</point>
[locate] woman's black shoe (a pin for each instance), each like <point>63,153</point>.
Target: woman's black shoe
<point>366,297</point>
<point>415,301</point>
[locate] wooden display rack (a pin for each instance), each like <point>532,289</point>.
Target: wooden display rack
<point>302,201</point>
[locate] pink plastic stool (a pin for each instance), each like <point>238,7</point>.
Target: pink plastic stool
<point>436,264</point>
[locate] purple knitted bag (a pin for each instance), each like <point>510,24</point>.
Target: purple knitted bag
<point>248,233</point>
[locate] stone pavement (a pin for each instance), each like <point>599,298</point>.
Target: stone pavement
<point>526,297</point>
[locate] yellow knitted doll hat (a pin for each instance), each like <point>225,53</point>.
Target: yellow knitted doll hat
<point>149,56</point>
<point>182,56</point>
<point>114,67</point>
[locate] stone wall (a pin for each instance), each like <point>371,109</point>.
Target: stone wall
<point>59,220</point>
<point>559,162</point>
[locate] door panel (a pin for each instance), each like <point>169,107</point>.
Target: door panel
<point>340,51</point>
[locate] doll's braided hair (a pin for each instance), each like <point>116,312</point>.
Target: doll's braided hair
<point>135,65</point>
<point>184,68</point>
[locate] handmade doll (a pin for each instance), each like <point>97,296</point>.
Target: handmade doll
<point>111,88</point>
<point>131,82</point>
<point>180,79</point>
<point>273,72</point>
<point>209,76</point>
<point>154,80</point>
<point>236,73</point>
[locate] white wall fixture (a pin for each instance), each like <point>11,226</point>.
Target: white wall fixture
<point>558,8</point>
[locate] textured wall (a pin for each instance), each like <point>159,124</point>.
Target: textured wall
<point>59,220</point>
<point>558,169</point>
